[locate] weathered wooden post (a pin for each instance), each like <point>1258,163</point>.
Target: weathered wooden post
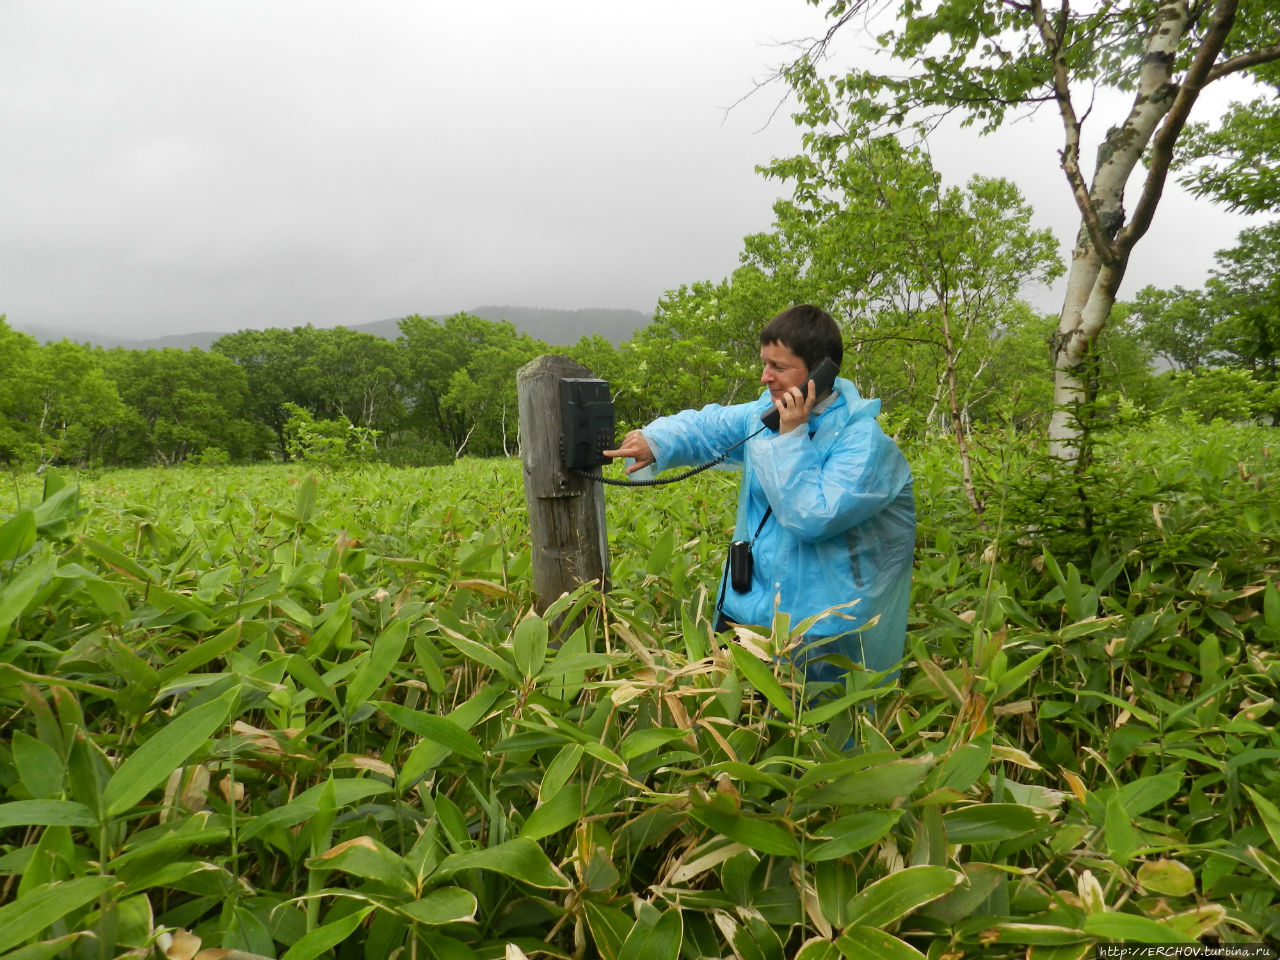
<point>566,511</point>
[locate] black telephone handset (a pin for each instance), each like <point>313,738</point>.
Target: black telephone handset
<point>823,379</point>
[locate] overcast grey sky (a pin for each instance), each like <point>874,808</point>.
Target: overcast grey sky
<point>183,165</point>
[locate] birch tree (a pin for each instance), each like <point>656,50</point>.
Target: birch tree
<point>990,60</point>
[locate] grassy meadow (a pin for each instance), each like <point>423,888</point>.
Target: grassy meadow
<point>303,714</point>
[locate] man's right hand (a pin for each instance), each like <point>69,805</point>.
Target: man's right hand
<point>635,446</point>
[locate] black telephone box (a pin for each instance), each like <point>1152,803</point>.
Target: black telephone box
<point>587,422</point>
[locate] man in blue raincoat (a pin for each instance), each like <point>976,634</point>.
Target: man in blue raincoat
<point>825,502</point>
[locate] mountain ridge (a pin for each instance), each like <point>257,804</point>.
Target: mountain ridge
<point>553,326</point>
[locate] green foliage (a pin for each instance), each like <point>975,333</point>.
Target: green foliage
<point>176,403</point>
<point>1219,393</point>
<point>1236,163</point>
<point>1175,325</point>
<point>926,278</point>
<point>305,718</point>
<point>328,443</point>
<point>1223,341</point>
<point>461,386</point>
<point>17,444</point>
<point>1246,285</point>
<point>989,64</point>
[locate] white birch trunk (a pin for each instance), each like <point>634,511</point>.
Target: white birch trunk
<point>1156,118</point>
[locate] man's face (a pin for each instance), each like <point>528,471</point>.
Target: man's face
<point>782,369</point>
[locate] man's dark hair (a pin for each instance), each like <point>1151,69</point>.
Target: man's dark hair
<point>807,332</point>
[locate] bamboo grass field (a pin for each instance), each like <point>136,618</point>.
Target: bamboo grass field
<point>304,713</point>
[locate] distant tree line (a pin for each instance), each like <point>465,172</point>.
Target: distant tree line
<point>941,335</point>
<point>441,390</point>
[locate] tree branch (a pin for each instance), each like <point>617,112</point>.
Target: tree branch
<point>1069,155</point>
<point>1244,61</point>
<point>1175,120</point>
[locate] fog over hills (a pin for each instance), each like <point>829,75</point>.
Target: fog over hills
<point>555,327</point>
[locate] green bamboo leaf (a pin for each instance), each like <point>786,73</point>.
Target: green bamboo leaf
<point>651,738</point>
<point>981,881</point>
<point>529,643</point>
<point>1210,660</point>
<point>1197,922</point>
<point>481,654</point>
<point>826,708</point>
<point>55,513</point>
<point>756,938</point>
<point>963,767</point>
<point>336,629</point>
<point>754,832</point>
<point>991,822</point>
<point>835,882</point>
<point>300,668</point>
<point>1146,716</point>
<point>1051,564</point>
<point>115,559</point>
<point>17,536</point>
<point>761,677</point>
<point>1264,862</point>
<point>1269,813</point>
<point>21,590</point>
<point>521,859</point>
<point>202,653</point>
<point>847,835</point>
<point>1119,833</point>
<point>293,610</point>
<point>573,663</point>
<point>881,783</point>
<point>817,949</point>
<point>46,813</point>
<point>107,597</point>
<point>559,770</point>
<point>867,943</point>
<point>325,938</point>
<point>1016,676</point>
<point>660,553</point>
<point>609,928</point>
<point>1271,605</point>
<point>603,754</point>
<point>150,765</point>
<point>39,767</point>
<point>190,876</point>
<point>177,607</point>
<point>661,941</point>
<point>1039,934</point>
<point>1130,927</point>
<point>562,810</point>
<point>366,857</point>
<point>437,730</point>
<point>346,792</point>
<point>377,664</point>
<point>440,906</point>
<point>1169,877</point>
<point>893,897</point>
<point>305,504</point>
<point>39,909</point>
<point>428,754</point>
<point>48,949</point>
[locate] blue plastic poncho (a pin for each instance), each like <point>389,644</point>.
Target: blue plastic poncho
<point>842,527</point>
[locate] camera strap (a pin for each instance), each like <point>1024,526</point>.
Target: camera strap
<point>724,577</point>
<point>755,536</point>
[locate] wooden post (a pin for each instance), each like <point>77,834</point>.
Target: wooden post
<point>566,511</point>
